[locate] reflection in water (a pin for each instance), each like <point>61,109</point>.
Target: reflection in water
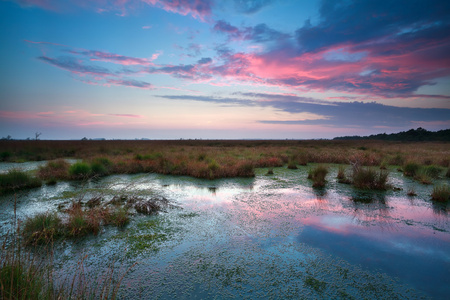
<point>418,258</point>
<point>441,208</point>
<point>262,237</point>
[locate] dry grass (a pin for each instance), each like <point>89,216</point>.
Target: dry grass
<point>224,158</point>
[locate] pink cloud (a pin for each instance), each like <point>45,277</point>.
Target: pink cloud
<point>126,115</point>
<point>199,9</point>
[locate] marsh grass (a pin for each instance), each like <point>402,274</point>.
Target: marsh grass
<point>369,179</point>
<point>292,164</point>
<point>22,276</point>
<point>54,169</point>
<point>410,169</point>
<point>16,180</point>
<point>341,176</point>
<point>317,175</point>
<point>43,228</point>
<point>234,158</point>
<point>80,170</point>
<point>441,193</point>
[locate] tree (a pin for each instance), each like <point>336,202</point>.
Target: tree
<point>37,134</point>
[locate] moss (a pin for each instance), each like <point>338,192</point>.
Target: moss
<point>317,285</point>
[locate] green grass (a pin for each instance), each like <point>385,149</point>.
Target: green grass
<point>79,170</point>
<point>43,228</point>
<point>119,217</point>
<point>22,278</point>
<point>16,180</point>
<point>441,193</point>
<point>370,179</point>
<point>410,169</point>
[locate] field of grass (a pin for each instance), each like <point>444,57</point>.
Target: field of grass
<point>212,159</point>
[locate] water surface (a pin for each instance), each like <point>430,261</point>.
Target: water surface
<point>268,236</point>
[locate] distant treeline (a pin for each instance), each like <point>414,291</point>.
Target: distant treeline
<point>418,134</point>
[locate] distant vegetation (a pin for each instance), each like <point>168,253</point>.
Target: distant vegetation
<point>411,135</point>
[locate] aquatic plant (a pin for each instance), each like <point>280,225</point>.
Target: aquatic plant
<point>369,179</point>
<point>15,180</point>
<point>342,178</point>
<point>317,175</point>
<point>441,193</point>
<point>316,284</point>
<point>42,228</point>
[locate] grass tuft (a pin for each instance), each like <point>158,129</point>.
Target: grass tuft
<point>54,169</point>
<point>16,180</point>
<point>317,175</point>
<point>410,169</point>
<point>441,193</point>
<point>42,229</point>
<point>80,170</point>
<point>369,179</point>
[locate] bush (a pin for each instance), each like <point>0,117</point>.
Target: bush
<point>318,175</point>
<point>369,179</point>
<point>16,180</point>
<point>80,170</point>
<point>41,229</point>
<point>5,155</point>
<point>441,193</point>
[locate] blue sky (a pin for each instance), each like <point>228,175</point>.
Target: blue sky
<point>169,69</point>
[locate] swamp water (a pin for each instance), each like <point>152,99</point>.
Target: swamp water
<point>265,237</point>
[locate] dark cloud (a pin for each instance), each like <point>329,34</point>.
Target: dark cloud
<point>130,83</point>
<point>353,21</point>
<point>111,57</point>
<point>72,65</point>
<point>259,34</point>
<point>204,61</point>
<point>336,114</point>
<point>262,33</point>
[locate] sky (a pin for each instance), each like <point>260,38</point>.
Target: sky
<point>231,69</point>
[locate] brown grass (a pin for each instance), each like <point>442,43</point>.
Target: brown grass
<point>225,158</point>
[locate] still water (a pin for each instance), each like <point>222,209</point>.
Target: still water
<point>266,237</point>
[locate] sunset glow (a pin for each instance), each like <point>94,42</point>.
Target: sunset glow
<point>209,69</point>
